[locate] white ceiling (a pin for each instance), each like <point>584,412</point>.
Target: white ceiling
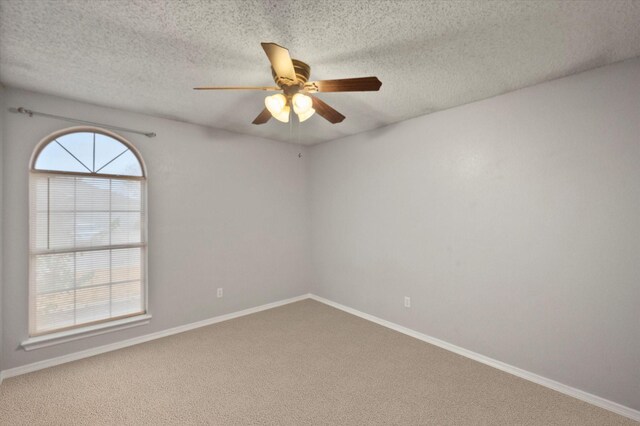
<point>147,55</point>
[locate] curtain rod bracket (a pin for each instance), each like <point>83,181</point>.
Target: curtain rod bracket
<point>25,111</point>
<point>31,113</point>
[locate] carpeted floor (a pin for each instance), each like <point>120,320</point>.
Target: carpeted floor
<point>303,363</point>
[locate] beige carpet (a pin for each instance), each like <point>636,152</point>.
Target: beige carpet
<point>304,363</point>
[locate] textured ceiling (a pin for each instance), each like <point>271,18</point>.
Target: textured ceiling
<point>147,55</point>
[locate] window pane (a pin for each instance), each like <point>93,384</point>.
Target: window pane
<point>40,235</point>
<point>62,193</point>
<point>41,194</point>
<point>55,310</point>
<point>126,265</point>
<point>77,288</point>
<point>92,229</point>
<point>107,149</point>
<point>126,298</point>
<point>92,194</point>
<point>125,228</point>
<point>92,304</point>
<point>93,268</point>
<point>39,211</point>
<point>81,146</point>
<point>61,230</point>
<point>54,157</point>
<point>127,164</point>
<point>54,272</point>
<point>126,195</point>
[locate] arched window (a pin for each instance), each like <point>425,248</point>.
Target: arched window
<point>87,231</point>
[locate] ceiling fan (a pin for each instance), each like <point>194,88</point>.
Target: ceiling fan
<point>291,77</point>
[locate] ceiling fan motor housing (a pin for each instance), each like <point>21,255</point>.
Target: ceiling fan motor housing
<point>303,71</point>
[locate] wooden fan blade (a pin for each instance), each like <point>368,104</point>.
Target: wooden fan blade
<point>281,62</point>
<point>326,111</point>
<point>263,117</point>
<point>237,88</point>
<point>359,84</point>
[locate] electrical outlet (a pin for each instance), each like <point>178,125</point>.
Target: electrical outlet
<point>407,302</point>
<point>219,292</point>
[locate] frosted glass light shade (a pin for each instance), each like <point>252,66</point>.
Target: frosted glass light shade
<point>301,103</point>
<point>304,116</point>
<point>283,115</point>
<point>275,103</point>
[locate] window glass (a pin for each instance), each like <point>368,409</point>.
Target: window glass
<point>54,157</point>
<point>125,164</point>
<point>86,152</point>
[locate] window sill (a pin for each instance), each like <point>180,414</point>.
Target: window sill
<point>80,333</point>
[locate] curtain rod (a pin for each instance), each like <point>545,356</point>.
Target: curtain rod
<point>31,113</point>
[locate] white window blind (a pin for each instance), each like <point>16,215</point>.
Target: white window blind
<point>88,247</point>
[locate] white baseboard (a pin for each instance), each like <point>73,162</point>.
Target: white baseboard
<point>24,369</point>
<point>535,378</point>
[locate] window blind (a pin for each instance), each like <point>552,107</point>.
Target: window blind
<point>87,247</point>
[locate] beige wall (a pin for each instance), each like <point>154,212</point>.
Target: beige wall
<point>225,210</point>
<point>512,223</point>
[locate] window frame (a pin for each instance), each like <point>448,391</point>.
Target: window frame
<point>60,335</point>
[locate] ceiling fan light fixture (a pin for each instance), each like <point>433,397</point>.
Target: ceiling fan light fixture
<point>305,115</point>
<point>276,104</point>
<point>301,104</point>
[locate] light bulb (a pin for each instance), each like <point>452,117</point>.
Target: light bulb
<point>275,104</point>
<point>301,103</point>
<point>283,115</point>
<point>305,115</point>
